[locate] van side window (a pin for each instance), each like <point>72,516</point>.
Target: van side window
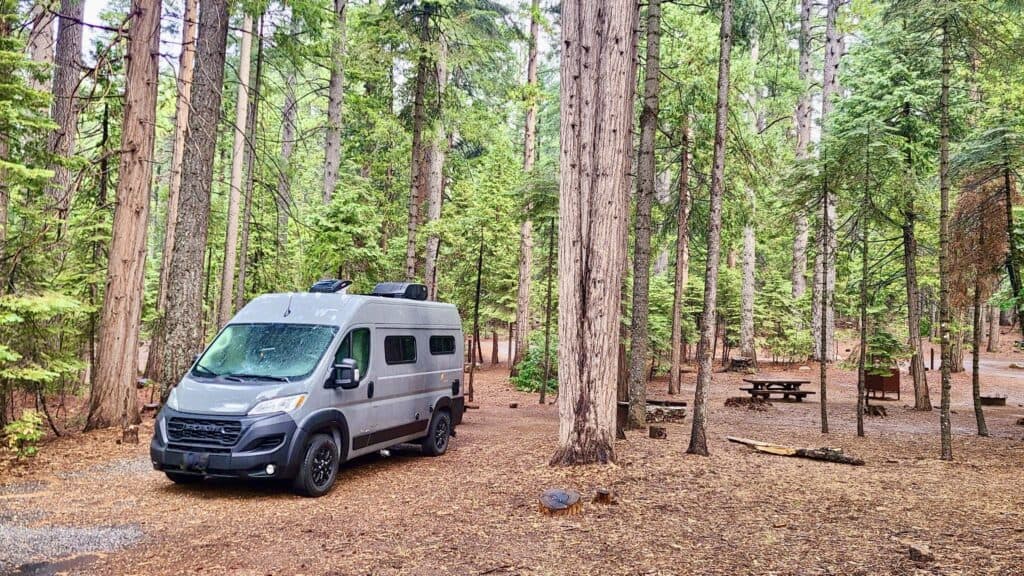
<point>442,345</point>
<point>356,346</point>
<point>399,349</point>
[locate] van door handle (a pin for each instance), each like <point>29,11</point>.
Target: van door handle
<point>369,389</point>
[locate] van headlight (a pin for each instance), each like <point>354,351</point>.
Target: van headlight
<point>282,404</point>
<point>172,399</point>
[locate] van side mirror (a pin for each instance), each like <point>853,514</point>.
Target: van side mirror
<point>346,375</point>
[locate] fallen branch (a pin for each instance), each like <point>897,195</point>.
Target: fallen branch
<point>825,454</point>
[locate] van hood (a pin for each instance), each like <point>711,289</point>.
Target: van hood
<point>235,398</point>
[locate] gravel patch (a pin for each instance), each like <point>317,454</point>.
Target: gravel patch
<point>21,488</point>
<point>121,467</point>
<point>21,544</point>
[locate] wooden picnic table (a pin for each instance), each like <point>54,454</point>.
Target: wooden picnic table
<point>788,388</point>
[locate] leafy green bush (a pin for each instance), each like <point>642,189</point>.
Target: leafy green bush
<point>531,369</point>
<point>884,351</point>
<point>23,434</point>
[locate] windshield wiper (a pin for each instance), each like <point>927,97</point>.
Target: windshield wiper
<point>243,377</point>
<point>204,371</point>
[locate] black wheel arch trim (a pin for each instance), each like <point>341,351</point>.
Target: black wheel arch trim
<point>330,419</point>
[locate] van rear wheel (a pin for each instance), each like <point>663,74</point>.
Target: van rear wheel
<point>319,467</point>
<point>435,443</point>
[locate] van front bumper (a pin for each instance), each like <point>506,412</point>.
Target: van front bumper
<point>223,446</point>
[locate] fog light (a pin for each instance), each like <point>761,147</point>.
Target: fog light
<point>271,469</point>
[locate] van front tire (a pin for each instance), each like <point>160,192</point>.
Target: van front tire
<point>319,467</point>
<point>435,443</point>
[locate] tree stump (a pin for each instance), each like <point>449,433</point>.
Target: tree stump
<point>604,496</point>
<point>559,502</point>
<point>657,432</point>
<point>130,435</point>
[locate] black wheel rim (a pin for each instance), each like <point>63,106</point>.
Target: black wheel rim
<point>322,466</point>
<point>441,435</point>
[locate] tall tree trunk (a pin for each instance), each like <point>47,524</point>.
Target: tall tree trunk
<point>335,97</point>
<point>748,348</point>
<point>435,156</point>
<point>922,399</point>
<point>416,172</point>
<point>547,312</point>
<point>227,277</point>
<point>748,345</point>
<point>113,400</point>
<point>526,228</point>
<point>827,240</point>
<point>944,307</point>
<point>474,350</point>
<point>803,139</point>
<point>993,329</point>
<point>186,66</point>
<point>66,76</point>
<point>698,434</point>
<point>1013,255</point>
<point>7,12</point>
<point>682,257</point>
<point>40,42</point>
<point>184,318</point>
<point>979,415</point>
<point>646,174</point>
<point>252,119</point>
<point>598,75</point>
<point>862,359</point>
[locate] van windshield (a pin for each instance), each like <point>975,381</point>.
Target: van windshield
<point>270,352</point>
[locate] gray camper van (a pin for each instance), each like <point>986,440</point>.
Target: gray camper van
<point>296,384</point>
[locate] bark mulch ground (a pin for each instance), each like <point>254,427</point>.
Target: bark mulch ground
<point>475,510</point>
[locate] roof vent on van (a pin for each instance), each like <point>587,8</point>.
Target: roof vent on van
<point>400,290</point>
<point>330,286</point>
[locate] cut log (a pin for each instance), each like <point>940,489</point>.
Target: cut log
<point>834,455</point>
<point>756,403</point>
<point>657,414</point>
<point>559,502</point>
<point>604,496</point>
<point>152,406</point>
<point>472,407</point>
<point>657,432</point>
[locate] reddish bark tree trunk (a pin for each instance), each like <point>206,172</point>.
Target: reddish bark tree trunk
<point>113,400</point>
<point>598,75</point>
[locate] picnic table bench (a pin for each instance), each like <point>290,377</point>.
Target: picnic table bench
<point>788,388</point>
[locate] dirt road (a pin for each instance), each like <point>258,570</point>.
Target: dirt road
<point>474,511</point>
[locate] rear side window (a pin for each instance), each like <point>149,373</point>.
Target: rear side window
<point>442,345</point>
<point>399,349</point>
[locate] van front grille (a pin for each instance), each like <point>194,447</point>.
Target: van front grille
<point>218,432</point>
